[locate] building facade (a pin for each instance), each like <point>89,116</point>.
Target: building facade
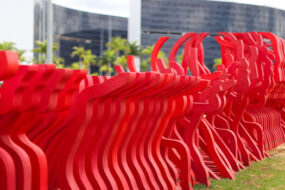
<point>162,18</point>
<point>78,28</point>
<point>173,18</point>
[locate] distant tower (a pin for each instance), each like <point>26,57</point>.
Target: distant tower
<point>49,31</point>
<point>134,25</point>
<point>43,19</point>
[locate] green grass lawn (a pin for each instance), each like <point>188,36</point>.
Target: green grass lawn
<point>266,174</point>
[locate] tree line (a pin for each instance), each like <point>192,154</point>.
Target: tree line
<point>117,50</point>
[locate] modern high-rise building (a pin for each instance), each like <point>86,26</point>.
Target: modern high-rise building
<point>173,18</point>
<point>78,28</point>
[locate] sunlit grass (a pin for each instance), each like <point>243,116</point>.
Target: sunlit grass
<point>266,174</point>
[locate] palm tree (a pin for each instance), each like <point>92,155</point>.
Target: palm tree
<point>7,45</point>
<point>86,57</point>
<point>118,44</point>
<point>11,46</point>
<point>78,51</point>
<point>106,60</point>
<point>58,61</point>
<point>147,51</point>
<point>41,49</point>
<point>21,53</point>
<point>180,57</point>
<point>119,48</point>
<point>217,61</point>
<point>122,60</point>
<point>106,69</point>
<point>134,49</point>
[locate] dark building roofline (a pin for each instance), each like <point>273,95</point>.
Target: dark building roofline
<point>88,12</point>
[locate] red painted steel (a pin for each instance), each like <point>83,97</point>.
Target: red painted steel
<point>170,128</point>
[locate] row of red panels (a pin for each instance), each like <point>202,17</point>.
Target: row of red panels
<point>168,128</point>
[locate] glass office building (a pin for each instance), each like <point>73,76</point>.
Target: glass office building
<point>78,28</point>
<point>173,18</point>
<point>158,18</point>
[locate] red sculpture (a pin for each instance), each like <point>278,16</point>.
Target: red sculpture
<point>169,128</point>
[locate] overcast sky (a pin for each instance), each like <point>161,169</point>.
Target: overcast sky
<point>121,7</point>
<point>112,7</point>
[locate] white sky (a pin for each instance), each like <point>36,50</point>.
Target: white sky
<point>110,7</point>
<point>121,7</point>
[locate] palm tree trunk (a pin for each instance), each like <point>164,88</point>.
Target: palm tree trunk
<point>108,71</point>
<point>80,64</point>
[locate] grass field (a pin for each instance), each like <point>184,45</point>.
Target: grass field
<point>266,174</point>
